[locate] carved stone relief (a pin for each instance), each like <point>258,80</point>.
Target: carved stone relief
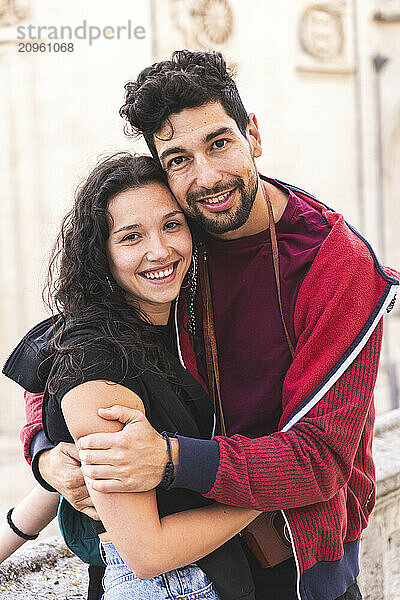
<point>13,12</point>
<point>204,23</point>
<point>321,32</point>
<point>324,37</point>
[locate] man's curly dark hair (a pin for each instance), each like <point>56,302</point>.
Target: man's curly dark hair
<point>188,80</point>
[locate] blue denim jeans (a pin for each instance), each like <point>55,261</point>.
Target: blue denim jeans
<point>186,583</point>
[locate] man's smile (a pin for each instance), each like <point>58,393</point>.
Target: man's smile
<point>218,203</point>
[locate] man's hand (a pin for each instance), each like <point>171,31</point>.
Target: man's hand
<point>131,460</point>
<point>61,468</point>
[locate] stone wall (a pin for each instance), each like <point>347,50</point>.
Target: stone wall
<point>380,546</point>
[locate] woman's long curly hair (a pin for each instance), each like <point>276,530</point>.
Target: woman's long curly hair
<point>80,288</point>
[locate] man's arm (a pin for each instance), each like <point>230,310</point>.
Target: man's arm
<point>56,468</point>
<point>307,464</point>
<point>33,426</point>
<point>311,461</point>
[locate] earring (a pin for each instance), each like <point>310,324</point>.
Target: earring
<point>109,283</point>
<point>192,273</point>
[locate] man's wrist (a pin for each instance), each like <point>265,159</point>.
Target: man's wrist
<point>197,464</point>
<point>169,467</point>
<point>175,454</point>
<point>39,445</point>
<point>39,457</point>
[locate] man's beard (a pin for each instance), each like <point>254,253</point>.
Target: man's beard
<point>230,219</point>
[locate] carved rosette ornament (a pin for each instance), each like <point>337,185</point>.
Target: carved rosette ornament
<point>203,23</point>
<point>13,12</point>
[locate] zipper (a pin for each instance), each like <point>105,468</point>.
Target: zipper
<point>371,492</point>
<point>390,298</point>
<point>287,526</point>
<point>178,343</point>
<point>391,305</point>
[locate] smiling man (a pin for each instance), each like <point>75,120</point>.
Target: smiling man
<point>298,298</point>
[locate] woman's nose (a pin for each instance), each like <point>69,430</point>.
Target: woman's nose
<point>157,250</point>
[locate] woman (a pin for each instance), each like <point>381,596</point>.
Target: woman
<point>125,251</point>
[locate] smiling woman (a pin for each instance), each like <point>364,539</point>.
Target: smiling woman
<point>122,255</point>
<point>149,251</point>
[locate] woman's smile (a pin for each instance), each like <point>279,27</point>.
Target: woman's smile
<point>163,275</point>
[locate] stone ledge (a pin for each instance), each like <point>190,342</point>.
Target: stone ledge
<point>386,451</point>
<point>43,571</point>
<point>380,542</point>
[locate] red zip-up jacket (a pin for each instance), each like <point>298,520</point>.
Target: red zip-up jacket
<point>317,468</point>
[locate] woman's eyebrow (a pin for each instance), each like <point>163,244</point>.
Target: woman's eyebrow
<point>172,214</point>
<point>127,228</point>
<point>138,225</point>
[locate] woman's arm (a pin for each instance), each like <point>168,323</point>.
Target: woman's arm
<point>30,516</point>
<point>148,545</point>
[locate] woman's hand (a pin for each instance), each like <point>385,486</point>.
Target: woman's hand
<point>131,460</point>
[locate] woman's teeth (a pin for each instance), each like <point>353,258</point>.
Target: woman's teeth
<point>159,274</point>
<point>217,199</point>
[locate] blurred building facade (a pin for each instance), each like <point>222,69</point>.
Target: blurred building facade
<point>321,77</point>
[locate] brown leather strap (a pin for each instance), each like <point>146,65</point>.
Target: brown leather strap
<point>210,342</point>
<point>275,260</point>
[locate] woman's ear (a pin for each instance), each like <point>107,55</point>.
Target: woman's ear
<point>253,135</point>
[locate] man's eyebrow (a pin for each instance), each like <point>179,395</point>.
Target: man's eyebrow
<point>213,134</point>
<point>174,150</point>
<point>210,136</point>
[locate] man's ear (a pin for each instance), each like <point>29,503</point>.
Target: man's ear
<point>253,135</point>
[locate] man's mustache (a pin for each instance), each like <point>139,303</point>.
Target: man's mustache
<point>194,197</point>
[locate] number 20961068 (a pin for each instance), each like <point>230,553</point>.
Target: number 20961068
<point>45,47</point>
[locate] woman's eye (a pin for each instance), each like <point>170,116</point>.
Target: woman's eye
<point>171,224</point>
<point>220,143</point>
<point>131,237</point>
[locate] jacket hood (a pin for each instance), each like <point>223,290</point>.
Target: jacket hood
<point>31,361</point>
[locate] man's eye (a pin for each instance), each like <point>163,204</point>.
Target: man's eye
<point>177,161</point>
<point>220,143</point>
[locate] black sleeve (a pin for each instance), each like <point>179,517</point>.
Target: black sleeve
<point>90,362</point>
<point>38,445</point>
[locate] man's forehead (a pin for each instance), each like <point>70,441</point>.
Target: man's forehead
<point>193,125</point>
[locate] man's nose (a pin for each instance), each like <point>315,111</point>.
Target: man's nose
<point>206,174</point>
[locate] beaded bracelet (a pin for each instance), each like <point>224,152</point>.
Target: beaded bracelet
<point>15,529</point>
<point>169,467</point>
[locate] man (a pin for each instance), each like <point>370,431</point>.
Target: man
<point>299,430</point>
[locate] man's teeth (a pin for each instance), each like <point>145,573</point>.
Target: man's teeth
<point>159,274</point>
<point>217,199</point>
